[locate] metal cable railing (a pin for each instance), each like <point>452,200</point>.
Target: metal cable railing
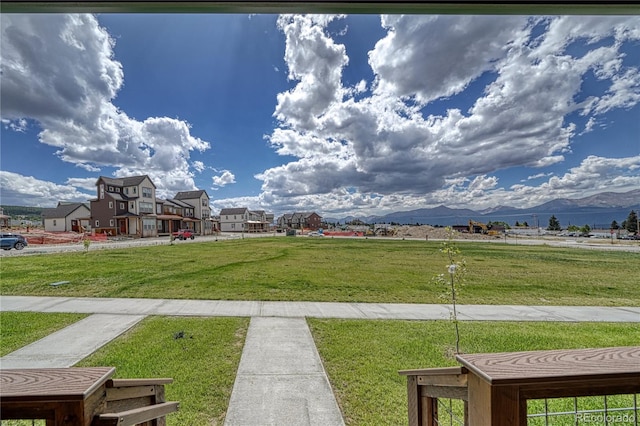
<point>617,410</point>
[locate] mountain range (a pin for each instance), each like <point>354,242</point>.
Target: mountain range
<point>597,211</point>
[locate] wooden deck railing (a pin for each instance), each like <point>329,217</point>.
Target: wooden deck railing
<point>494,388</point>
<point>84,396</point>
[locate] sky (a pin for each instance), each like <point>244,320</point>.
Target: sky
<point>338,114</point>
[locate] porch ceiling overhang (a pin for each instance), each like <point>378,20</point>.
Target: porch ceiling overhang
<point>170,217</point>
<point>126,215</point>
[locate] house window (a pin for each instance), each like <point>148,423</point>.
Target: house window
<point>110,204</point>
<point>110,189</point>
<point>110,222</point>
<point>147,192</point>
<point>54,222</point>
<point>204,202</point>
<point>131,205</point>
<point>102,191</point>
<point>126,190</point>
<point>122,206</point>
<point>233,226</point>
<point>97,223</point>
<point>146,207</point>
<point>117,189</point>
<point>134,189</point>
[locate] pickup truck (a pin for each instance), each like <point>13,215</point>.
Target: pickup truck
<point>183,234</point>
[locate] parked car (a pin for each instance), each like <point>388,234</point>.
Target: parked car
<point>183,234</point>
<point>9,240</point>
<point>315,234</point>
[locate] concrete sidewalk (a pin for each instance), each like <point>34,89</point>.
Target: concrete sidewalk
<point>317,309</point>
<point>280,379</point>
<point>68,346</point>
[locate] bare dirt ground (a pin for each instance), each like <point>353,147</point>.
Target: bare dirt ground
<point>430,232</point>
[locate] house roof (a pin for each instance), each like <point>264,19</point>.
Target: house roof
<point>186,195</point>
<point>304,214</point>
<point>63,210</point>
<point>235,210</point>
<point>179,203</point>
<point>126,181</point>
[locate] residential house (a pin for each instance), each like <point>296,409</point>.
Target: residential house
<point>306,220</point>
<point>284,221</point>
<point>66,217</point>
<point>173,215</point>
<point>241,219</point>
<point>270,217</point>
<point>199,199</point>
<point>4,219</point>
<point>125,206</point>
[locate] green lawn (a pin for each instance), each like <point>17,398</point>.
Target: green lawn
<point>337,270</point>
<point>18,329</point>
<point>362,358</point>
<point>200,354</point>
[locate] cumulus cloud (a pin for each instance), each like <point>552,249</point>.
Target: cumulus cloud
<point>60,71</point>
<point>28,191</point>
<point>224,179</point>
<point>316,62</point>
<point>199,166</point>
<point>397,145</point>
<point>429,57</point>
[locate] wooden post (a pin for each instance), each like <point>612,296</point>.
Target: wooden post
<point>414,401</point>
<point>431,411</point>
<point>494,405</point>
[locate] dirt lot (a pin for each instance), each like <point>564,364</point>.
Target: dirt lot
<point>430,232</point>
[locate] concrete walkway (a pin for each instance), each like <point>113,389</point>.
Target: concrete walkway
<point>280,379</point>
<point>214,308</point>
<point>70,345</point>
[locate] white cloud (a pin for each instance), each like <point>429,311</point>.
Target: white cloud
<point>83,183</point>
<point>198,166</point>
<point>28,191</point>
<point>391,145</point>
<point>224,179</point>
<point>60,71</point>
<point>429,57</point>
<point>316,62</point>
<point>19,125</point>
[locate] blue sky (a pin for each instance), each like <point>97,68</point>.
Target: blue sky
<point>343,115</point>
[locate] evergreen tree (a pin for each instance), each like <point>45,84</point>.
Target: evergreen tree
<point>614,225</point>
<point>554,224</point>
<point>631,224</point>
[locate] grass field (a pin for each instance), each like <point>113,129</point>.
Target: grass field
<point>340,270</point>
<point>202,362</point>
<point>362,358</point>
